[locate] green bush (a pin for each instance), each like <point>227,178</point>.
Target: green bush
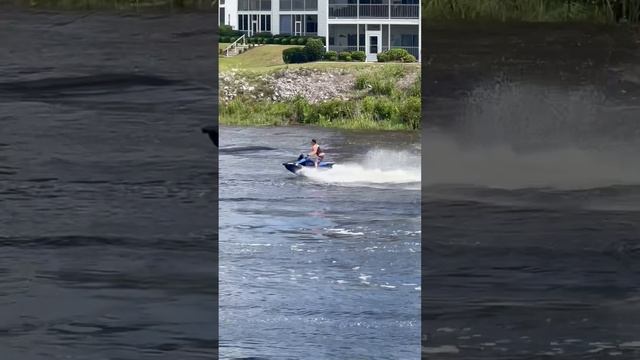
<point>284,41</point>
<point>358,56</point>
<point>314,50</point>
<point>396,55</point>
<point>380,108</point>
<point>227,30</point>
<point>301,41</point>
<point>224,39</point>
<point>330,56</point>
<point>336,109</point>
<point>344,56</point>
<point>264,34</point>
<point>294,55</point>
<point>410,111</point>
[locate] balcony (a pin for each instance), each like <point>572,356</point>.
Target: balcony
<point>374,11</point>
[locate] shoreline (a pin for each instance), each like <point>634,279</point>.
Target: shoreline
<point>384,97</point>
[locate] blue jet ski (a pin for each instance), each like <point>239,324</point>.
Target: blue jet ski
<point>306,162</point>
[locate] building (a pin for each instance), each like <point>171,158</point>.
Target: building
<point>371,26</point>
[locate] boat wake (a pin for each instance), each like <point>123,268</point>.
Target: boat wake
<point>379,168</point>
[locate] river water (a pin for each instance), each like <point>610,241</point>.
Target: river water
<point>324,265</point>
<point>107,187</point>
<point>531,193</point>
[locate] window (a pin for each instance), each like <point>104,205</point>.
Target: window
<point>311,5</point>
<point>285,24</point>
<point>285,5</point>
<point>373,44</point>
<point>243,5</point>
<point>311,24</point>
<point>243,22</point>
<point>265,23</point>
<point>297,5</point>
<point>221,16</point>
<point>351,40</point>
<point>409,40</point>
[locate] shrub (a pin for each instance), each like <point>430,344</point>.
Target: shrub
<point>284,41</point>
<point>330,56</point>
<point>358,56</point>
<point>409,112</point>
<point>271,40</point>
<point>227,30</point>
<point>294,55</point>
<point>396,55</point>
<point>264,34</point>
<point>344,56</point>
<point>301,41</point>
<point>379,83</point>
<point>314,50</point>
<point>336,109</point>
<point>301,110</point>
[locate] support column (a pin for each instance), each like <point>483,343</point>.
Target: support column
<point>420,31</point>
<point>326,37</point>
<point>388,37</point>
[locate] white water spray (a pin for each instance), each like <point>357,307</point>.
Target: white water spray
<point>379,167</point>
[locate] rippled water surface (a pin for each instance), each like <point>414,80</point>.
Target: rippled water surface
<point>532,195</point>
<point>325,265</point>
<point>107,187</point>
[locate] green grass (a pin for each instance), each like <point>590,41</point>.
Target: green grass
<point>268,58</point>
<point>222,46</point>
<point>256,59</point>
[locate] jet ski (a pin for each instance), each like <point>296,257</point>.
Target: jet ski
<point>306,162</point>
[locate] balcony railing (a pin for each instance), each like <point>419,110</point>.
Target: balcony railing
<point>374,11</point>
<point>405,11</point>
<point>351,11</point>
<point>343,11</point>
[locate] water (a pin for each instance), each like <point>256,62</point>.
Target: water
<point>532,204</point>
<point>325,265</point>
<point>107,187</point>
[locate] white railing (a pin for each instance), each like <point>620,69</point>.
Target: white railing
<point>242,40</point>
<point>410,11</point>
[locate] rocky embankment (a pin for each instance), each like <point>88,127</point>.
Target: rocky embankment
<point>313,85</point>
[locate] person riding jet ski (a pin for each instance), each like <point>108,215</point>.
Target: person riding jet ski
<point>316,151</point>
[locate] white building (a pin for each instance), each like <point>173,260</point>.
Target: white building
<point>371,26</point>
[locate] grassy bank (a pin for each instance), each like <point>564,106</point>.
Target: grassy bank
<point>262,58</point>
<point>381,97</point>
<point>593,11</point>
<point>126,5</point>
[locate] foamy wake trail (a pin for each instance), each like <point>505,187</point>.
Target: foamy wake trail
<point>379,167</point>
<point>500,167</point>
